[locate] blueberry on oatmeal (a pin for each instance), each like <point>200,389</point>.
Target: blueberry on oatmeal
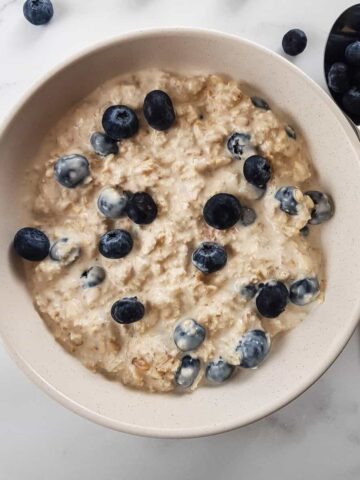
<point>187,372</point>
<point>189,335</point>
<point>116,244</point>
<point>287,199</point>
<point>120,122</point>
<point>31,244</point>
<point>127,310</point>
<point>71,170</point>
<point>141,208</point>
<point>257,171</point>
<point>259,102</point>
<point>209,257</point>
<point>323,207</point>
<point>253,348</point>
<point>158,110</point>
<point>112,202</point>
<point>103,145</point>
<point>65,251</point>
<point>304,291</point>
<point>240,146</point>
<point>218,371</point>
<point>272,299</point>
<point>92,277</point>
<point>222,211</point>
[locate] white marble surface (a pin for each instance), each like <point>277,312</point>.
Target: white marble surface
<point>318,435</point>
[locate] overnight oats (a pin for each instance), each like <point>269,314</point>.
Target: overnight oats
<point>171,231</point>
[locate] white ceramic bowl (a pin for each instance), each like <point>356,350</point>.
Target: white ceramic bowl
<point>304,354</point>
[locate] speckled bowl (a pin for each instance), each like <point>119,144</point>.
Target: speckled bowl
<point>302,355</point>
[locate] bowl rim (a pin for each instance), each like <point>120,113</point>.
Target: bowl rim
<point>178,432</point>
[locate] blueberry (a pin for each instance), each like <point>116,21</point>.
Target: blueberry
<point>305,231</point>
<point>287,198</point>
<point>257,171</point>
<point>158,110</point>
<point>71,170</point>
<point>127,310</point>
<point>323,207</point>
<point>249,291</point>
<point>248,216</point>
<point>92,277</point>
<point>141,208</point>
<point>112,202</point>
<point>222,211</point>
<point>209,257</point>
<point>355,80</point>
<point>38,12</point>
<point>218,371</point>
<point>304,291</point>
<point>65,251</point>
<point>260,103</point>
<point>103,145</point>
<point>253,348</point>
<point>351,101</point>
<point>120,122</point>
<point>290,132</point>
<point>31,244</point>
<point>352,53</point>
<point>189,335</point>
<point>294,42</point>
<point>240,146</point>
<point>272,299</point>
<point>187,372</point>
<point>116,244</point>
<point>338,77</point>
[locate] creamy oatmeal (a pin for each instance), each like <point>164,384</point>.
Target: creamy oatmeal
<point>200,310</point>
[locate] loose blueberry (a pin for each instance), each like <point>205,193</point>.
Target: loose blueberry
<point>209,257</point>
<point>158,110</point>
<point>287,198</point>
<point>290,132</point>
<point>103,145</point>
<point>127,310</point>
<point>92,277</point>
<point>222,211</point>
<point>260,103</point>
<point>304,291</point>
<point>253,348</point>
<point>272,299</point>
<point>31,244</point>
<point>351,101</point>
<point>112,202</point>
<point>352,53</point>
<point>323,207</point>
<point>189,335</point>
<point>116,244</point>
<point>338,77</point>
<point>38,12</point>
<point>257,171</point>
<point>71,170</point>
<point>294,42</point>
<point>249,291</point>
<point>305,231</point>
<point>240,146</point>
<point>248,216</point>
<point>141,208</point>
<point>218,371</point>
<point>65,251</point>
<point>187,372</point>
<point>120,122</point>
